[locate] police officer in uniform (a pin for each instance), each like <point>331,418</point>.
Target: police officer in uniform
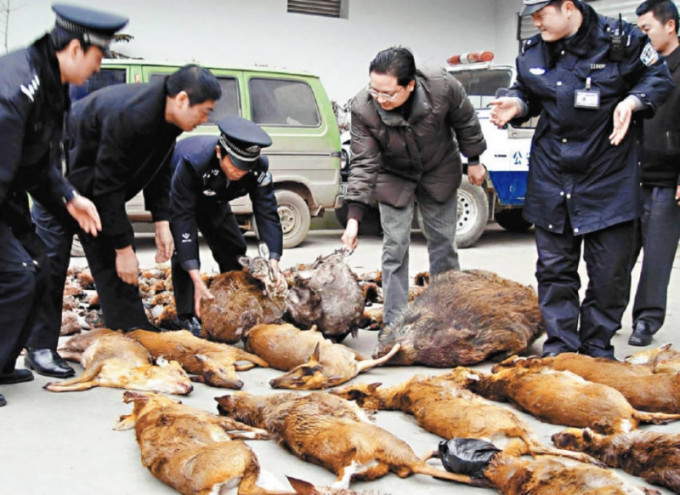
<point>33,100</point>
<point>119,141</point>
<point>210,172</point>
<point>585,75</point>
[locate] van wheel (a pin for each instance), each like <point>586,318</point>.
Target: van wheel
<point>473,213</point>
<point>294,216</point>
<point>512,220</point>
<point>77,250</point>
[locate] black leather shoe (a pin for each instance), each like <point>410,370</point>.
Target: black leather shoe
<point>48,363</point>
<point>192,324</point>
<point>3,402</point>
<point>642,334</point>
<point>16,376</point>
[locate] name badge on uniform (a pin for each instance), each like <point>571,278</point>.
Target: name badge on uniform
<point>587,98</point>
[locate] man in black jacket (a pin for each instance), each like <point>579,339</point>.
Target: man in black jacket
<point>119,141</point>
<point>210,172</point>
<point>658,229</point>
<point>33,99</point>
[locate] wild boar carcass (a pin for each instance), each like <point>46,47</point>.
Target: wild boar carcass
<point>327,295</point>
<point>241,299</point>
<point>311,361</point>
<point>191,450</point>
<point>654,456</point>
<point>645,390</point>
<point>446,409</point>
<point>213,363</point>
<point>116,361</point>
<point>462,318</point>
<point>560,397</point>
<point>331,432</point>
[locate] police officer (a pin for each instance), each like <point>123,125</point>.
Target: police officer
<point>33,99</point>
<point>120,140</point>
<point>210,172</point>
<point>585,75</point>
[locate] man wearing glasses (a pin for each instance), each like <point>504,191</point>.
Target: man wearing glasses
<point>408,129</point>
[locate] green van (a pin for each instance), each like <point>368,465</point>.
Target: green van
<point>292,107</point>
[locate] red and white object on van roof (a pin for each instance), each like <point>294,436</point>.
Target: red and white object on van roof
<point>470,58</point>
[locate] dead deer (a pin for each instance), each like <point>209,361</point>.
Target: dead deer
<point>312,361</point>
<point>462,318</point>
<point>331,432</point>
<point>653,456</point>
<point>214,363</point>
<point>193,451</point>
<point>559,397</point>
<point>114,360</point>
<point>448,410</point>
<point>663,359</point>
<point>645,390</point>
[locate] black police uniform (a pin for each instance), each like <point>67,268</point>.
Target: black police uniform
<point>33,102</point>
<point>118,143</point>
<point>199,199</point>
<point>582,189</point>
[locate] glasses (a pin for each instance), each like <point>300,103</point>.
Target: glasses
<point>385,96</point>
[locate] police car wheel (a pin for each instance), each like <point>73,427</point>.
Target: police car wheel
<point>473,213</point>
<point>295,217</point>
<point>512,220</point>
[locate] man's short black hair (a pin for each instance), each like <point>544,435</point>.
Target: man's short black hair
<point>662,10</point>
<point>395,61</point>
<point>198,82</point>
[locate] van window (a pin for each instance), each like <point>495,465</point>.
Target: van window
<point>106,77</point>
<point>481,85</point>
<point>283,103</point>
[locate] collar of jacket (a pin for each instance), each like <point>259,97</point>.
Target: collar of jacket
<point>673,60</point>
<point>421,107</point>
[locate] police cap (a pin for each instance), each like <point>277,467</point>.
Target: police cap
<point>243,140</point>
<point>531,6</point>
<point>93,27</point>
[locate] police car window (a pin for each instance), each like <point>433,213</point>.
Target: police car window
<point>102,79</point>
<point>482,85</point>
<point>283,103</point>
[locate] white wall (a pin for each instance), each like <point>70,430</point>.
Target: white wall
<point>261,32</point>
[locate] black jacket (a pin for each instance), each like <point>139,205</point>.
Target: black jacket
<point>199,184</point>
<point>661,157</point>
<point>32,105</point>
<point>118,144</point>
<point>574,172</point>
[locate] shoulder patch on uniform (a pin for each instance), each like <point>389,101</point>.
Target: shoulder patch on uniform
<point>649,55</point>
<point>32,87</point>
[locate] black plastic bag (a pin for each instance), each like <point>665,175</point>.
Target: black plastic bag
<point>467,455</point>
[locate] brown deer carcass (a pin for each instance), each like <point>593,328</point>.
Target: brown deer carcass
<point>331,432</point>
<point>446,409</point>
<point>662,359</point>
<point>560,397</point>
<point>312,362</point>
<point>654,456</point>
<point>213,363</point>
<point>326,295</point>
<point>645,390</point>
<point>193,451</point>
<point>464,317</point>
<point>113,360</point>
<point>241,299</point>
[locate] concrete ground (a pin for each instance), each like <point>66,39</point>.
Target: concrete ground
<point>65,442</point>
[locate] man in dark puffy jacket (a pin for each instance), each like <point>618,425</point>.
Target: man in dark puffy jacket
<point>408,129</point>
<point>658,229</point>
<point>33,100</point>
<point>585,75</point>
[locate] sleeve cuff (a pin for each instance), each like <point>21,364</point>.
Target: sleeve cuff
<point>356,211</point>
<point>190,265</point>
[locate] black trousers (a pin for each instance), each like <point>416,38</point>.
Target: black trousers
<point>121,303</point>
<point>24,282</point>
<point>588,326</point>
<point>226,242</point>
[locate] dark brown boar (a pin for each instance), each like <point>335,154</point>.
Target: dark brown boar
<point>331,432</point>
<point>464,317</point>
<point>326,295</point>
<point>654,456</point>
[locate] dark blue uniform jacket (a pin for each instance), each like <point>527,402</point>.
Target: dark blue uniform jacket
<point>574,171</point>
<point>118,144</point>
<point>199,187</point>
